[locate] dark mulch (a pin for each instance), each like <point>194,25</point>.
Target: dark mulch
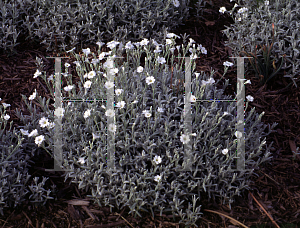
<point>275,198</point>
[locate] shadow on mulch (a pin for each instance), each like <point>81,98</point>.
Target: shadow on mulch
<point>275,188</point>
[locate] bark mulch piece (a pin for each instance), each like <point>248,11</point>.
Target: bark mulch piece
<point>275,195</point>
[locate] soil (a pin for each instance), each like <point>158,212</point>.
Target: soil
<point>274,198</point>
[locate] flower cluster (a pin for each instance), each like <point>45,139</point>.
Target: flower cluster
<point>242,12</point>
<point>44,122</point>
<point>212,134</point>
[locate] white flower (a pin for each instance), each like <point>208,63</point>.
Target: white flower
<point>109,63</point>
<point>87,84</point>
<point>197,75</point>
<point>147,113</point>
<point>171,35</point>
<point>168,41</point>
<point>31,97</point>
<point>5,105</point>
<point>37,73</point>
<point>86,51</point>
<point>161,60</point>
<point>157,159</point>
<point>109,85</point>
<point>81,160</point>
<point>91,74</point>
<point>110,113</point>
<point>129,45</point>
<point>43,122</point>
<point>242,10</point>
<point>112,127</point>
<point>112,44</point>
<point>160,109</point>
<point>150,80</point>
<point>172,49</point>
<point>33,133</point>
<point>203,50</point>
<point>118,91</point>
<point>6,117</point>
<point>222,10</point>
<point>225,151</point>
<point>140,69</point>
<point>69,88</point>
<point>194,56</point>
<point>184,138</point>
<point>157,49</point>
<point>250,98</point>
<point>24,132</point>
<point>191,41</point>
<point>67,65</point>
<point>228,64</point>
<point>225,113</point>
<point>193,98</point>
<point>0,99</point>
<point>38,140</point>
<point>210,81</point>
<point>176,3</point>
<point>266,3</point>
<point>101,56</point>
<point>157,178</point>
<point>77,63</point>
<point>100,43</point>
<point>144,42</point>
<point>238,134</point>
<point>59,112</point>
<point>114,71</point>
<point>120,104</point>
<point>87,113</point>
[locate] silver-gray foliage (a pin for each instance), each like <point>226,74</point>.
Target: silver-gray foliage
<point>14,177</point>
<point>70,23</point>
<point>256,29</point>
<point>139,139</point>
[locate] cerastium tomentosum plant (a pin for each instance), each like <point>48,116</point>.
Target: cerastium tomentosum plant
<point>252,28</point>
<point>149,144</point>
<point>14,164</point>
<point>263,69</point>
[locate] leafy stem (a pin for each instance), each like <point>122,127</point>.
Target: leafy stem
<point>263,69</point>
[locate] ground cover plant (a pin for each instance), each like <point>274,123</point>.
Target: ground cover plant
<point>81,213</point>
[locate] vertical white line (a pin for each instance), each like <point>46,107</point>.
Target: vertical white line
<point>110,121</point>
<point>187,165</point>
<point>58,125</point>
<point>240,113</point>
<point>57,118</point>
